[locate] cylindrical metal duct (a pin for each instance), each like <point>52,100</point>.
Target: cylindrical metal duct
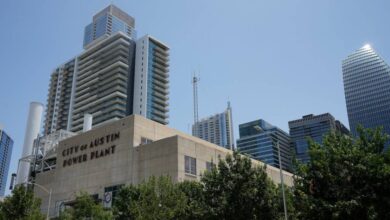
<point>87,122</point>
<point>32,131</point>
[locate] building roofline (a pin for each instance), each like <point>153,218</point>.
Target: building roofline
<point>155,40</point>
<point>310,117</point>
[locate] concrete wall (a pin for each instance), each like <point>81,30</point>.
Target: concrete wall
<point>131,162</point>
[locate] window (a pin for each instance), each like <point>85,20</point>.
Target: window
<point>110,193</point>
<point>190,165</point>
<point>145,140</point>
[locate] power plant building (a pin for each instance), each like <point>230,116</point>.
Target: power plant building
<point>126,151</point>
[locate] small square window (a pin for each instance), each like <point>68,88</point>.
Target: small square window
<point>145,140</point>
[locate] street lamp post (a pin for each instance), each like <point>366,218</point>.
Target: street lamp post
<point>47,191</point>
<point>282,182</point>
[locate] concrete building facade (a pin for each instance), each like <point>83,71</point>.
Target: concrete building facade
<point>217,129</point>
<point>127,151</point>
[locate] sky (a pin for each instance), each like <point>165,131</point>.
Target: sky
<point>276,60</point>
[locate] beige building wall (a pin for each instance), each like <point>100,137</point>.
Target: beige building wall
<point>142,148</point>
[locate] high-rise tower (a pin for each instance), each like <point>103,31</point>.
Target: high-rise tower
<point>367,89</point>
<point>314,127</point>
<point>151,87</point>
<point>116,75</point>
<point>262,141</point>
<point>106,23</point>
<point>217,129</point>
<point>59,99</point>
<point>6,144</point>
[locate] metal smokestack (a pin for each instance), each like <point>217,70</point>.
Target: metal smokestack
<point>87,122</point>
<point>32,131</point>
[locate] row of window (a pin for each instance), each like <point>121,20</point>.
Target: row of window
<point>190,165</point>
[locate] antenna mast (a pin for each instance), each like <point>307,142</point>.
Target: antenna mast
<point>195,81</point>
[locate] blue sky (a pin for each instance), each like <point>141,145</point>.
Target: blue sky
<point>276,60</point>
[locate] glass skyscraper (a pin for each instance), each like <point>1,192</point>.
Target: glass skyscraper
<point>367,89</point>
<point>260,140</point>
<point>6,144</point>
<point>106,23</point>
<point>314,127</point>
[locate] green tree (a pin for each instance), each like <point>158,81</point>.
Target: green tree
<point>157,198</point>
<point>289,193</point>
<point>21,205</point>
<point>85,207</point>
<point>346,178</point>
<point>236,189</point>
<point>195,207</point>
<point>125,207</point>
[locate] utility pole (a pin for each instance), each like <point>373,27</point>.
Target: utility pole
<point>282,182</point>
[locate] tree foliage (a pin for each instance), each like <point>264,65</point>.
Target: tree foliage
<point>21,205</point>
<point>235,189</point>
<point>238,190</point>
<point>346,178</point>
<point>85,207</point>
<point>195,207</point>
<point>157,198</point>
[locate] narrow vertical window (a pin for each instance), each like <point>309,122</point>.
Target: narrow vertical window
<point>190,165</point>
